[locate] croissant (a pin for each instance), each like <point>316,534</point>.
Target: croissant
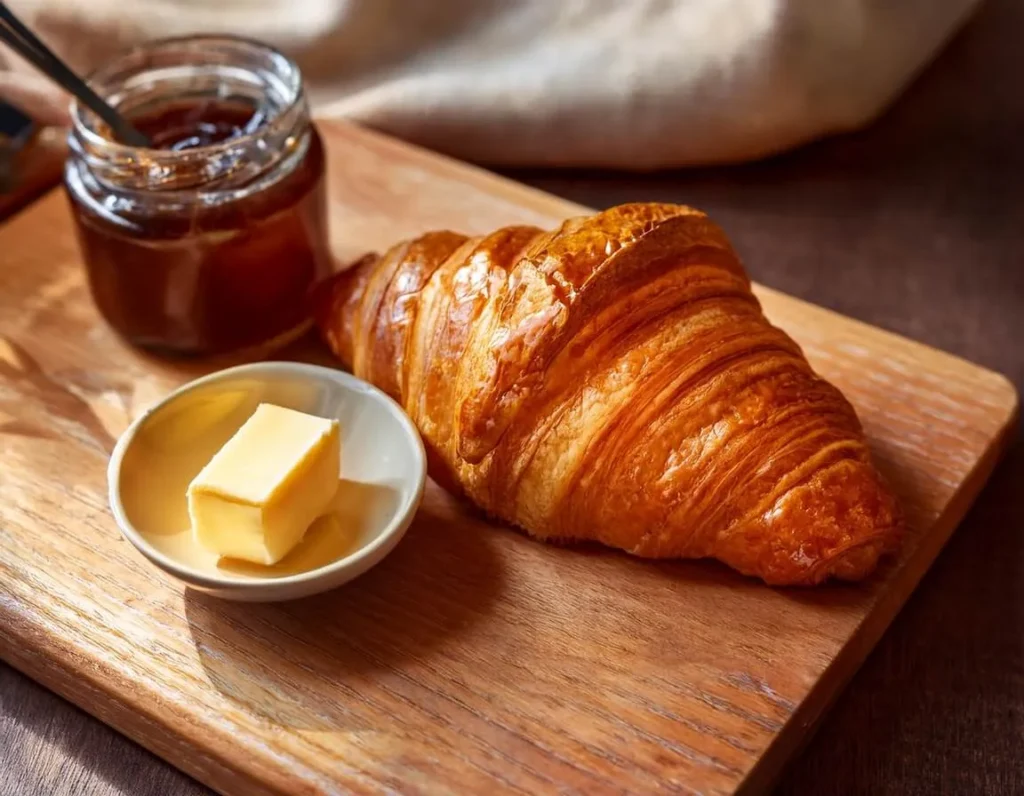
<point>615,380</point>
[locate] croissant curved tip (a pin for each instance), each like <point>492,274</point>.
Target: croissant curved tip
<point>842,525</point>
<point>853,564</point>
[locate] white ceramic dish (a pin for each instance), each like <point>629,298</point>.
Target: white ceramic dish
<point>383,472</point>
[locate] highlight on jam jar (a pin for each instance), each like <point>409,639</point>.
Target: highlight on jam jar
<point>211,240</point>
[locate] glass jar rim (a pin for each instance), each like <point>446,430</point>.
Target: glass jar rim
<point>118,67</point>
<point>208,68</point>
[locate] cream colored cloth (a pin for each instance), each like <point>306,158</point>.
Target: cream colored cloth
<point>632,84</point>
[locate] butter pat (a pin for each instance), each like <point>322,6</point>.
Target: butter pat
<point>257,496</point>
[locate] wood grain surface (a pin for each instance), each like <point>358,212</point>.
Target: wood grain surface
<point>472,658</point>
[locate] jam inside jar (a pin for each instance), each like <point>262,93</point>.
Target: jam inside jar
<point>211,240</point>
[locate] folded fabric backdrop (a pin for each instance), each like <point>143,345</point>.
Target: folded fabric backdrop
<point>635,85</point>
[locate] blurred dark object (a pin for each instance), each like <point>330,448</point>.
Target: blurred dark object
<point>16,131</point>
<point>13,122</point>
<point>31,159</point>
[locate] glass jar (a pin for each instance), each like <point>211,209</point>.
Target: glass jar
<point>210,240</point>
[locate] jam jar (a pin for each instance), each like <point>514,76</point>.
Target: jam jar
<point>209,240</point>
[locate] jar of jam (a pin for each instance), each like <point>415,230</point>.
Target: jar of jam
<point>210,240</point>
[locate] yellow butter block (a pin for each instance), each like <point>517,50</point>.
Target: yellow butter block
<point>257,496</point>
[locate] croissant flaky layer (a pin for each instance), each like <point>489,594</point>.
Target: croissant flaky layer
<point>615,380</point>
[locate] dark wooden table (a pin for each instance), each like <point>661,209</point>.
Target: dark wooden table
<point>916,225</point>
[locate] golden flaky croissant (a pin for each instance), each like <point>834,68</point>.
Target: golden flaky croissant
<point>616,380</point>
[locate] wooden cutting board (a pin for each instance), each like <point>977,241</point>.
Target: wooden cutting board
<point>472,659</point>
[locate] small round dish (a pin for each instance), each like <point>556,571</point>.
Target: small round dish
<point>383,471</point>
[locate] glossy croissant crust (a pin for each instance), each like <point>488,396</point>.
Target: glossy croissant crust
<point>615,380</point>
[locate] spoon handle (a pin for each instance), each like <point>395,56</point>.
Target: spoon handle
<point>24,42</point>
